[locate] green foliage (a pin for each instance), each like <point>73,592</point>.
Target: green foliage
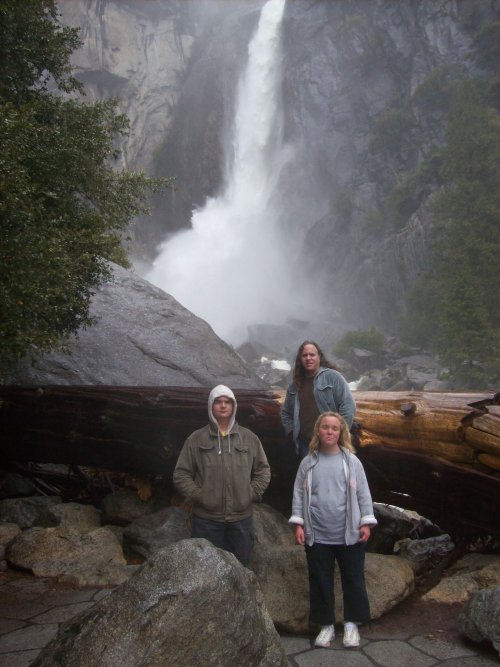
<point>407,195</point>
<point>455,307</point>
<point>436,92</point>
<point>63,206</point>
<point>35,49</point>
<point>369,339</point>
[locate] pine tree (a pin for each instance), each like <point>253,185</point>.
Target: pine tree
<point>462,313</point>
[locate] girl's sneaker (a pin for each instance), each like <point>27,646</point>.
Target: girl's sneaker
<point>351,635</point>
<point>327,633</point>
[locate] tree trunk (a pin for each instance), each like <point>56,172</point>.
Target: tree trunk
<point>436,453</point>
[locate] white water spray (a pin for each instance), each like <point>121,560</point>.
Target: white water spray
<point>231,268</point>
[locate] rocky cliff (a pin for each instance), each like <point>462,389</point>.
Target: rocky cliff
<point>366,89</point>
<point>137,52</point>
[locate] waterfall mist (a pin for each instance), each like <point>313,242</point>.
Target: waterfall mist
<point>234,266</point>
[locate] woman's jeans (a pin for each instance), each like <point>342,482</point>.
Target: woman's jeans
<point>321,562</point>
<point>234,536</point>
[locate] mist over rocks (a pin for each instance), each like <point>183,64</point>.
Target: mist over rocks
<point>142,337</point>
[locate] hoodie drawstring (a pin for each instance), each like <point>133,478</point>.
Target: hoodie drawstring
<point>228,442</point>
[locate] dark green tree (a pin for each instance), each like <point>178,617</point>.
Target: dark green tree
<point>64,206</point>
<point>455,307</point>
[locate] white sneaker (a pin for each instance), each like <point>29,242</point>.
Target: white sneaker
<point>351,635</point>
<point>325,636</point>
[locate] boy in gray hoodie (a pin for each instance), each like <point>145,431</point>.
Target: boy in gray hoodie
<point>222,469</point>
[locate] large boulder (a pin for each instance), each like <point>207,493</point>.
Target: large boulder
<point>149,534</point>
<point>123,506</point>
<point>468,575</point>
<point>29,512</point>
<point>142,336</point>
<point>93,558</point>
<point>281,570</point>
<point>82,518</point>
<point>189,604</point>
<point>480,619</point>
<point>282,575</point>
<point>393,525</point>
<point>421,553</point>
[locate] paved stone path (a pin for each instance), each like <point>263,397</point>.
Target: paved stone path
<point>32,609</point>
<point>379,650</point>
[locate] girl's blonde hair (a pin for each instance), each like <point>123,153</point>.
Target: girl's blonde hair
<point>345,436</point>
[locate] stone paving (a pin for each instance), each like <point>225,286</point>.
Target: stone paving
<point>32,609</point>
<point>384,651</point>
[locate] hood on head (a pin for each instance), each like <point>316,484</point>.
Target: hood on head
<point>221,390</point>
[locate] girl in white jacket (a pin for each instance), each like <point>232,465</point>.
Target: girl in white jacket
<point>333,513</point>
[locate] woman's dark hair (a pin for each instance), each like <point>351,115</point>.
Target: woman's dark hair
<point>299,371</point>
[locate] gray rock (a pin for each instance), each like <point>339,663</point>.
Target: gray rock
<point>143,336</point>
<point>389,580</point>
<point>54,552</point>
<point>190,604</point>
<point>15,486</point>
<point>421,553</point>
<point>29,512</point>
<point>83,573</point>
<point>149,534</point>
<point>393,525</point>
<point>117,531</point>
<point>8,531</point>
<point>124,506</point>
<point>82,518</point>
<point>271,527</point>
<point>468,575</point>
<point>282,575</point>
<point>283,579</point>
<point>480,619</point>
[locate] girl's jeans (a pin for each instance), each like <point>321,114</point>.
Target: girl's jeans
<point>321,562</point>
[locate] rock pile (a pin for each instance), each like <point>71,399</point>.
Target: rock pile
<point>67,541</point>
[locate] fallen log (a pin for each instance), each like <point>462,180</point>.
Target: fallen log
<point>456,428</point>
<point>129,429</point>
<point>435,453</point>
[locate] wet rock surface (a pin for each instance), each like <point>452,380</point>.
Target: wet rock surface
<point>142,336</point>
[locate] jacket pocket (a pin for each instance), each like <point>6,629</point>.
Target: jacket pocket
<point>242,472</point>
<point>210,494</point>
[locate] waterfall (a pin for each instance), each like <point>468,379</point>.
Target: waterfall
<point>231,267</point>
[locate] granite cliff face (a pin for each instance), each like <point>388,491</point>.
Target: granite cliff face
<point>364,89</point>
<point>364,81</point>
<point>137,52</point>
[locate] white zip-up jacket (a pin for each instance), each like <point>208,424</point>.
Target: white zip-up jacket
<point>359,504</point>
